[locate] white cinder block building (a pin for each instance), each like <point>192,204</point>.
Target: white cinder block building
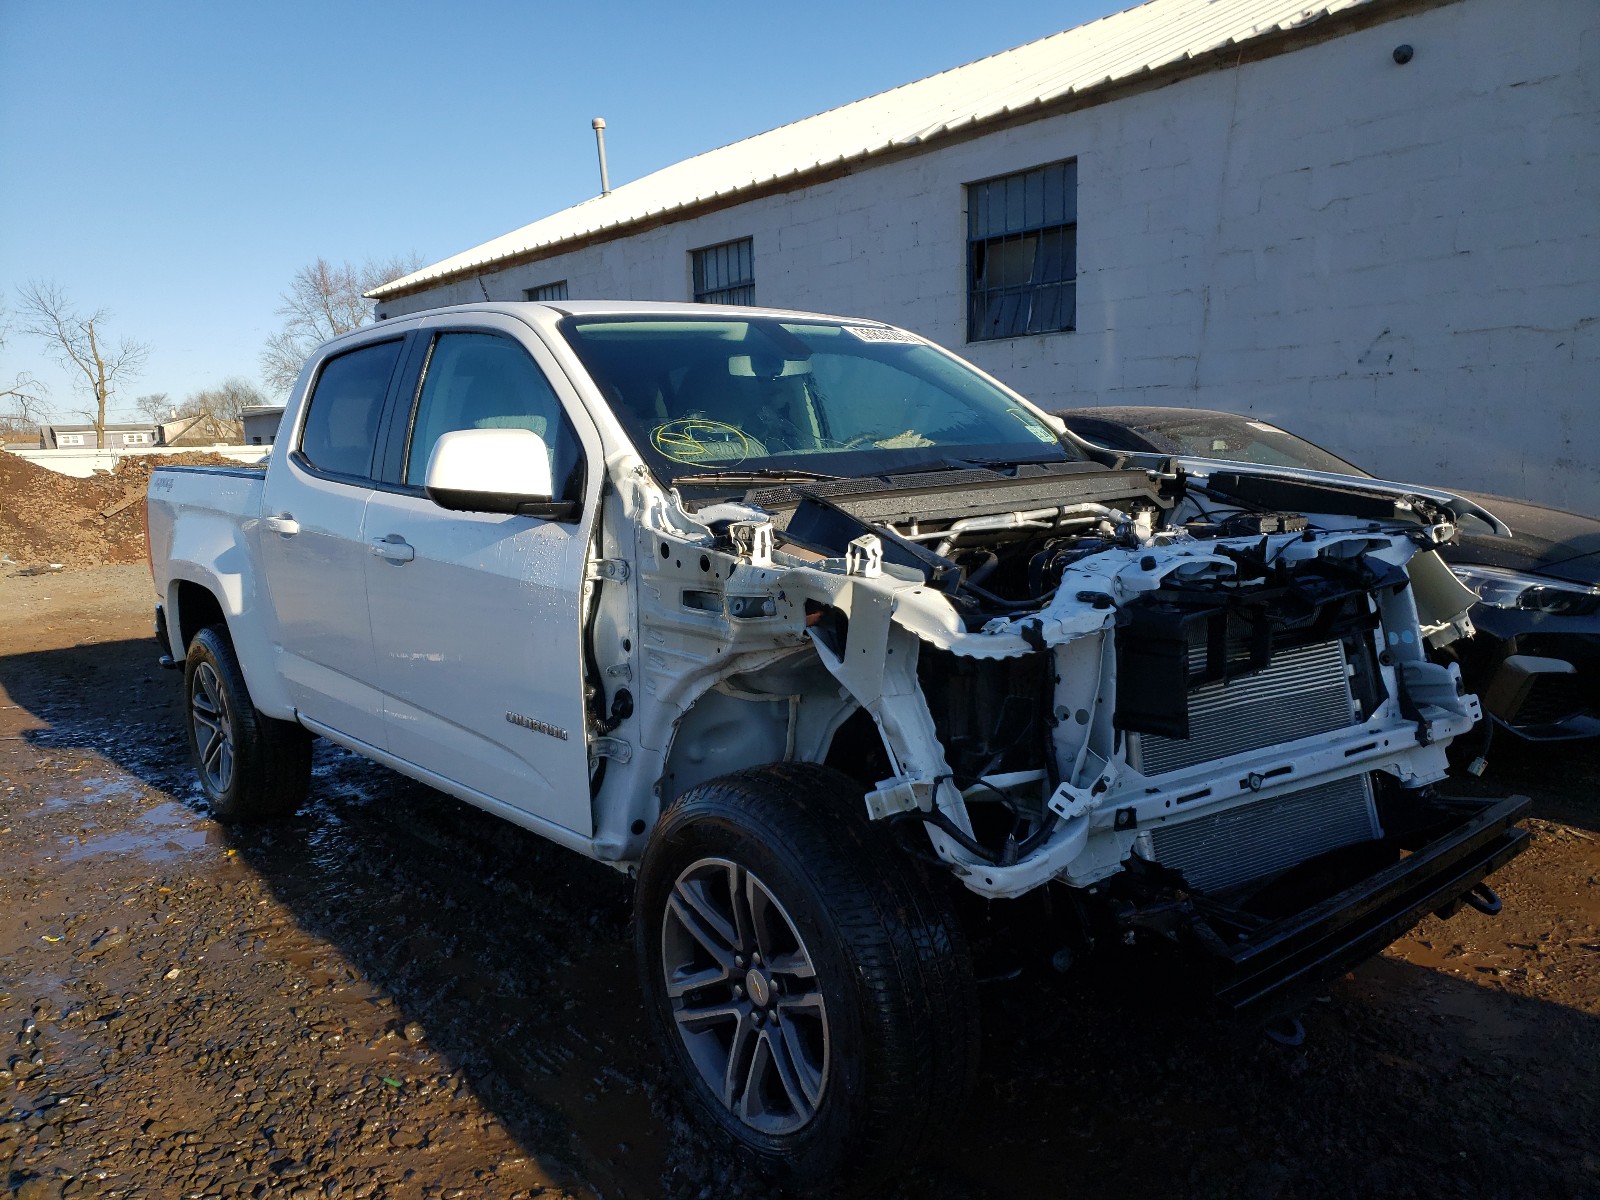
<point>1375,222</point>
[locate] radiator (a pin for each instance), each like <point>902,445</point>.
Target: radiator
<point>1261,838</point>
<point>1302,692</point>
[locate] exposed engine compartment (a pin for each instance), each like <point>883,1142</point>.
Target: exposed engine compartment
<point>1108,667</point>
<point>993,542</point>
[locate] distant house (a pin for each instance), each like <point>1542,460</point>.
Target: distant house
<point>261,423</point>
<point>203,429</point>
<point>82,437</point>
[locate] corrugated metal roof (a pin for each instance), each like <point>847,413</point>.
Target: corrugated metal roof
<point>1112,49</point>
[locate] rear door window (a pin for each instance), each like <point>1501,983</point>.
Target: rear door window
<point>341,425</point>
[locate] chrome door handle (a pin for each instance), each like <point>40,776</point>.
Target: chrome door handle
<point>285,524</point>
<point>394,548</point>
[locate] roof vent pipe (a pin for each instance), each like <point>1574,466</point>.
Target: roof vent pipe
<point>599,124</point>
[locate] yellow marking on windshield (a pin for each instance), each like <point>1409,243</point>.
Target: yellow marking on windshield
<point>697,441</point>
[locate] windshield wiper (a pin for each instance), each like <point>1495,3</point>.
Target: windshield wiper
<point>754,475</point>
<point>1020,460</point>
<point>952,463</point>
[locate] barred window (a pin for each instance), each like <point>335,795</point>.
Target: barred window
<point>547,291</point>
<point>725,274</point>
<point>1022,253</point>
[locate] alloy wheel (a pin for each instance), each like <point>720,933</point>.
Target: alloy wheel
<point>213,728</point>
<point>745,996</point>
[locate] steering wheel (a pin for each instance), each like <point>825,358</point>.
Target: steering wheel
<point>860,439</point>
<point>700,440</point>
<point>852,443</point>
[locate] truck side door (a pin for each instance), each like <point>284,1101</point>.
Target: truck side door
<point>477,617</point>
<point>311,545</point>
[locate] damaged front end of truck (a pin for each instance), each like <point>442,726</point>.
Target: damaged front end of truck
<point>868,636</point>
<point>1214,724</point>
<point>1199,699</point>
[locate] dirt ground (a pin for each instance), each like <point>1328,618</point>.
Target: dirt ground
<point>397,996</point>
<point>49,519</point>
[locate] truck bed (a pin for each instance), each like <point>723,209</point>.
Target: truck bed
<point>215,502</point>
<point>213,547</point>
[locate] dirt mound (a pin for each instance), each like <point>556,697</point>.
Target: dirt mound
<point>46,517</point>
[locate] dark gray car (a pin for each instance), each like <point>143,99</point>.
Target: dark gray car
<point>1535,661</point>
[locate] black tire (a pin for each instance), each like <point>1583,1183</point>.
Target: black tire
<point>893,977</point>
<point>252,768</point>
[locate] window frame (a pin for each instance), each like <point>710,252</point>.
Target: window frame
<point>556,287</point>
<point>701,294</point>
<point>1010,233</point>
<point>375,458</point>
<point>70,439</point>
<point>400,416</point>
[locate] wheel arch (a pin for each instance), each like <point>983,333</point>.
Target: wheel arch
<point>784,712</point>
<point>191,607</point>
<point>194,601</point>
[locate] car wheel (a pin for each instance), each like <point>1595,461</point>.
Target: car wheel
<point>806,977</point>
<point>251,767</point>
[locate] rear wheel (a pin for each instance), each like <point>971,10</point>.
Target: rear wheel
<point>810,986</point>
<point>251,767</point>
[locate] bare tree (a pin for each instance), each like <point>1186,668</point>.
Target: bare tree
<point>157,406</point>
<point>226,402</point>
<point>22,400</point>
<point>80,344</point>
<point>221,409</point>
<point>324,300</point>
<point>21,413</point>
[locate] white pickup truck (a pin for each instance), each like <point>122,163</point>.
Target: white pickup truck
<point>811,624</point>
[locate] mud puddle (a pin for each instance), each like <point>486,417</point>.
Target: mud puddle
<point>167,830</point>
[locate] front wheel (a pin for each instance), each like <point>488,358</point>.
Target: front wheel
<point>251,767</point>
<point>810,986</point>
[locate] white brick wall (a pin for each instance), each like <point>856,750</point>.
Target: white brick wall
<point>1402,263</point>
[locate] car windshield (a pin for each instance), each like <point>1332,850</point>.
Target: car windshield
<point>1240,439</point>
<point>714,398</point>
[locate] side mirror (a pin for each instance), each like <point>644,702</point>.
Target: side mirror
<point>494,470</point>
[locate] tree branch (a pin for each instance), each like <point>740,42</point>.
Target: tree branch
<point>75,341</point>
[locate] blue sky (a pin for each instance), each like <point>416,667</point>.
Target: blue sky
<point>176,163</point>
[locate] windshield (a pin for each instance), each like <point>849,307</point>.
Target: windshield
<point>1240,439</point>
<point>713,396</point>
